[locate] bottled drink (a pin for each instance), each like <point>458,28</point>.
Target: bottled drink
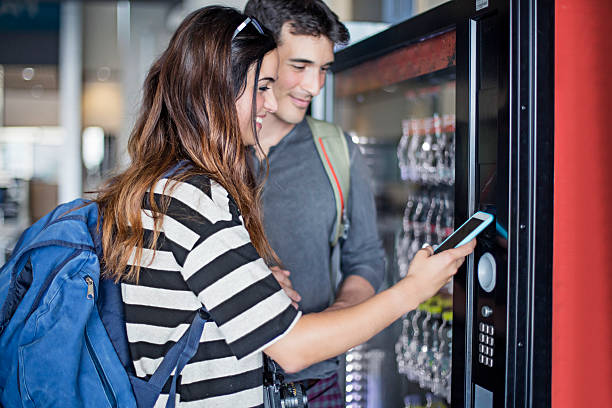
<point>427,167</point>
<point>448,127</point>
<point>430,221</point>
<point>412,154</point>
<point>417,220</point>
<point>433,356</point>
<point>402,149</point>
<point>406,237</point>
<point>415,344</point>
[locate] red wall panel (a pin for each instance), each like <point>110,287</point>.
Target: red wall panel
<point>582,267</point>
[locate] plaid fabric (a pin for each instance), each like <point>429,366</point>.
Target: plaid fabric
<point>325,393</point>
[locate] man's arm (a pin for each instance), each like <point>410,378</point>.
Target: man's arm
<point>362,256</point>
<point>353,290</point>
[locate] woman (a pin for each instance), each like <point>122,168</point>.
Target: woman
<point>182,225</point>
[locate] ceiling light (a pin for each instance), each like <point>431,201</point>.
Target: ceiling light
<point>28,73</point>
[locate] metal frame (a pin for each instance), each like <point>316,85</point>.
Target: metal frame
<point>532,158</point>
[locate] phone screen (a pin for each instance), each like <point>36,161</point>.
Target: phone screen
<point>459,235</point>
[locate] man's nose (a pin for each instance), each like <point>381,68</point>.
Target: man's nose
<point>312,82</point>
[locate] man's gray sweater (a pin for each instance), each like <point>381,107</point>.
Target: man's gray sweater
<point>299,214</point>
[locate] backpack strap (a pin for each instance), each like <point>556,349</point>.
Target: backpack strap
<point>177,357</point>
<point>146,393</point>
<point>333,152</point>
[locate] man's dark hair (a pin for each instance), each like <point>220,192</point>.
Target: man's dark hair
<point>306,17</point>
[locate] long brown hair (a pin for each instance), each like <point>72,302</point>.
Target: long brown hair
<point>189,116</point>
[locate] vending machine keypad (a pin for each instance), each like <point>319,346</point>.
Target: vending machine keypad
<point>485,344</point>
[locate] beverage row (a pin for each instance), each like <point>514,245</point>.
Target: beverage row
<point>426,150</point>
<point>356,377</point>
<point>428,218</point>
<point>423,349</point>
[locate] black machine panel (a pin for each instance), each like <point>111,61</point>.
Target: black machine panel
<point>491,255</point>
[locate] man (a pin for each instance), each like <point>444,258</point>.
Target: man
<point>298,200</point>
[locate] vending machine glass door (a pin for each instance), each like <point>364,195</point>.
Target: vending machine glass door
<point>399,109</point>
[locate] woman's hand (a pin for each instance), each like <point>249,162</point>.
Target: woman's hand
<point>282,276</point>
<point>428,272</point>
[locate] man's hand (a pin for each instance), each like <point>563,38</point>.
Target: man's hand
<point>282,276</point>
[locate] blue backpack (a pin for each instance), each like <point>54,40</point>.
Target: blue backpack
<point>62,328</point>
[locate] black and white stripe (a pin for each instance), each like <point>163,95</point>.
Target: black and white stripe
<point>204,256</point>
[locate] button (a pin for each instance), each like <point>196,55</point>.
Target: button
<point>491,330</point>
<point>483,328</point>
<point>481,348</point>
<point>491,341</point>
<point>491,351</point>
<point>481,358</point>
<point>482,338</point>
<point>486,272</point>
<point>490,362</point>
<point>486,311</point>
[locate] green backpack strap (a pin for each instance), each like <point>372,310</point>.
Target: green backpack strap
<point>333,152</point>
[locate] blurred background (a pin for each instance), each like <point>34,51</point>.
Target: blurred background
<point>70,85</point>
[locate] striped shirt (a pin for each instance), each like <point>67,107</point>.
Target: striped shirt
<point>204,257</point>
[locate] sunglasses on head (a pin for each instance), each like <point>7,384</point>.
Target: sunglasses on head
<point>244,24</point>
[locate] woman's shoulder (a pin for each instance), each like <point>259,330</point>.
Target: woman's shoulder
<point>199,193</point>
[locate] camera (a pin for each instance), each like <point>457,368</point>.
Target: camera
<point>278,394</point>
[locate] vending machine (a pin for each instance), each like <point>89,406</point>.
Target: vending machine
<point>443,107</point>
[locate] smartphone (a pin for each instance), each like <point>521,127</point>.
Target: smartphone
<point>465,233</point>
